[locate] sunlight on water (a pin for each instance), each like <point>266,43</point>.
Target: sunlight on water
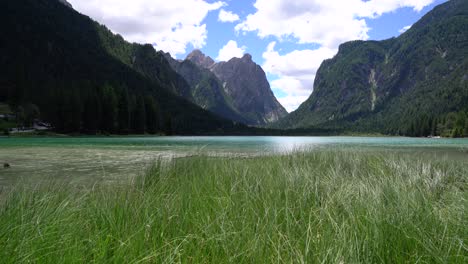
<point>87,160</point>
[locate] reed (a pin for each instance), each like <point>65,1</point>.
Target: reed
<point>312,207</point>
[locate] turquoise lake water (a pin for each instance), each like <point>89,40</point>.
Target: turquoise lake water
<point>91,159</point>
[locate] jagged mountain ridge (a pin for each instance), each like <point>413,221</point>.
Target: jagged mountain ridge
<point>197,57</point>
<point>246,82</point>
<point>238,84</point>
<point>388,86</point>
<point>206,89</point>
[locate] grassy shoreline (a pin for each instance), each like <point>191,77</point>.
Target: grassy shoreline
<point>326,206</point>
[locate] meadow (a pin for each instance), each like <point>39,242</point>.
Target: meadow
<point>326,206</point>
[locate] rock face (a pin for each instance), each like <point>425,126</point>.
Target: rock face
<point>240,84</point>
<point>206,90</point>
<point>197,57</point>
<point>246,83</point>
<point>389,86</point>
<point>65,3</point>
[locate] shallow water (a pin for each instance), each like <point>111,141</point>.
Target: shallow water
<point>85,160</point>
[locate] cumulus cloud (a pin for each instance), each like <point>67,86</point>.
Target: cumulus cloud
<point>227,16</point>
<point>231,50</point>
<point>169,27</point>
<point>404,29</point>
<point>375,8</point>
<point>296,94</point>
<point>327,23</point>
<point>296,72</point>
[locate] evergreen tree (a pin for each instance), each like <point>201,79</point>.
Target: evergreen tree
<point>450,121</point>
<point>139,115</point>
<point>411,131</point>
<point>168,124</point>
<point>434,127</point>
<point>465,130</point>
<point>109,109</point>
<point>92,113</point>
<point>124,112</point>
<point>73,111</point>
<point>152,116</point>
<point>460,121</point>
<point>456,133</point>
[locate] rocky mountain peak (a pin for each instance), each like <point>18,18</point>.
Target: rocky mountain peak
<point>247,57</point>
<point>242,81</point>
<point>199,58</point>
<point>246,82</point>
<point>65,3</point>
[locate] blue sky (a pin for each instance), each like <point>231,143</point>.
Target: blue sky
<point>288,38</point>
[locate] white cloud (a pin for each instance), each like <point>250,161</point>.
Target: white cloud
<point>290,102</point>
<point>169,27</point>
<point>375,8</point>
<point>327,23</point>
<point>296,94</point>
<point>227,16</point>
<point>230,50</point>
<point>296,72</point>
<point>404,29</point>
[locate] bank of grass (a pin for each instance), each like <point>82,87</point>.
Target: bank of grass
<point>318,207</point>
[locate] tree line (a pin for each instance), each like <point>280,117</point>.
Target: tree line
<point>454,124</point>
<point>92,109</point>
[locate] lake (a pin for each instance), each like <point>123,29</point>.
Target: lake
<point>84,160</point>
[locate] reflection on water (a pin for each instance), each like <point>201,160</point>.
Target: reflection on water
<point>87,160</point>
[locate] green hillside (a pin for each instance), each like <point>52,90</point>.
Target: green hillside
<point>416,84</point>
<point>82,78</point>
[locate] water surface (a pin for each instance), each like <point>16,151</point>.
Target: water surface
<point>91,159</point>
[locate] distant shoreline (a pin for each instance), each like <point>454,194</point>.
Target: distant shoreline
<point>52,135</point>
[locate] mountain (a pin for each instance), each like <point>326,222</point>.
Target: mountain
<point>246,83</point>
<point>200,59</point>
<point>65,2</point>
<point>206,89</point>
<point>237,89</point>
<point>405,85</point>
<point>66,69</point>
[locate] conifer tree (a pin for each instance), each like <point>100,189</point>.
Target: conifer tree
<point>152,117</point>
<point>109,109</point>
<point>139,115</point>
<point>124,112</point>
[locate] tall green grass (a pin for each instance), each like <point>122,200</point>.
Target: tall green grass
<point>318,207</point>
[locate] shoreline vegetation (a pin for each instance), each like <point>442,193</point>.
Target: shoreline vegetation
<point>332,206</point>
<point>454,125</point>
<point>53,134</point>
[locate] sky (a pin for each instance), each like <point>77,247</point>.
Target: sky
<point>288,38</point>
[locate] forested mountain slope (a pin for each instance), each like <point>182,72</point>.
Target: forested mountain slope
<point>407,85</point>
<point>79,76</point>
